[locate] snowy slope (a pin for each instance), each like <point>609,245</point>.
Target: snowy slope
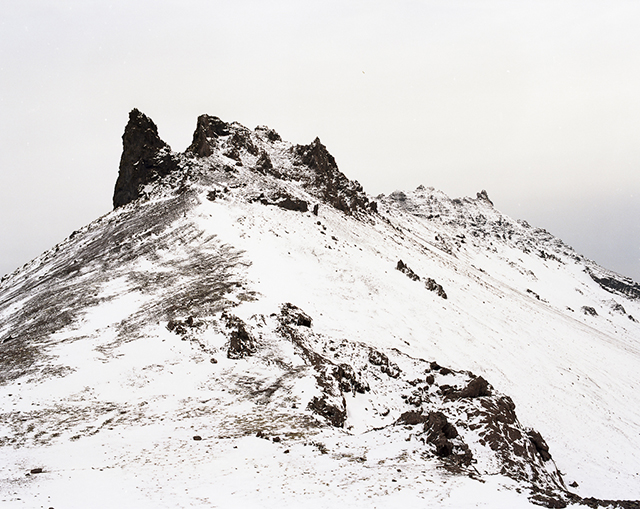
<point>152,350</point>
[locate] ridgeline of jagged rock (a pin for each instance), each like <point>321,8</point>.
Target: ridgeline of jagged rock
<point>175,311</point>
<point>219,146</point>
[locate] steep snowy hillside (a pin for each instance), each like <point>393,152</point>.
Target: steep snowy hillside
<point>248,328</point>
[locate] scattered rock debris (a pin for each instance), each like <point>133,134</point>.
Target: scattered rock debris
<point>429,283</point>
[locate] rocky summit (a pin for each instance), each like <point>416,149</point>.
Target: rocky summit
<point>249,328</point>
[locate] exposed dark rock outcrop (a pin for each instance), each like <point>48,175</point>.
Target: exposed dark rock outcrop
<point>293,315</point>
<point>267,132</point>
<point>412,417</point>
<point>540,444</point>
<point>439,433</point>
<point>182,327</point>
<point>431,284</point>
<point>327,182</point>
<point>208,130</point>
<point>330,377</point>
<point>483,195</point>
<point>350,381</point>
<point>335,414</point>
<point>241,342</point>
<point>386,366</point>
<point>596,503</point>
<point>405,269</point>
<point>145,158</point>
<point>616,284</point>
<point>284,201</point>
<point>618,308</point>
<point>476,388</point>
<point>264,164</point>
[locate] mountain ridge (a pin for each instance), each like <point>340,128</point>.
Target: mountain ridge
<point>223,246</point>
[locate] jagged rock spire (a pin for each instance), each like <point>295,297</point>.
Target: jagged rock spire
<point>483,195</point>
<point>145,157</point>
<point>204,137</point>
<point>334,187</point>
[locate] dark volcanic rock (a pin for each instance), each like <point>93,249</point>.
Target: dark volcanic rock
<point>476,388</point>
<point>145,158</point>
<point>335,414</point>
<point>181,327</point>
<point>293,315</point>
<point>539,443</point>
<point>290,203</point>
<point>620,285</point>
<point>241,342</point>
<point>349,381</point>
<point>284,201</point>
<point>431,284</point>
<point>328,183</point>
<point>412,418</point>
<point>405,269</point>
<point>264,164</point>
<point>208,129</point>
<point>434,286</point>
<point>439,432</point>
<point>483,195</point>
<point>270,134</point>
<point>386,366</point>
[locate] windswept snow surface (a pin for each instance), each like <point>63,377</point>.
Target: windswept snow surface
<point>118,385</point>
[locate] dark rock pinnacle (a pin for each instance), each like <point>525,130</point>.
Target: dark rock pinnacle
<point>145,158</point>
<point>483,195</point>
<point>330,184</point>
<point>208,129</point>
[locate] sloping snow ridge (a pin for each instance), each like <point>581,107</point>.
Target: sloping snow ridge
<point>247,328</point>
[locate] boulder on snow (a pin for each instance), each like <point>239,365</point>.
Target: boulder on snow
<point>476,388</point>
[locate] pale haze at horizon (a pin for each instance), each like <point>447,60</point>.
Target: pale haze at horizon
<point>536,102</point>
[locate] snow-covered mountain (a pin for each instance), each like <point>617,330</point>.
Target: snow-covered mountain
<point>249,328</point>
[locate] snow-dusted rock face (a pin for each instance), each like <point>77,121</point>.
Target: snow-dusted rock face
<point>248,328</point>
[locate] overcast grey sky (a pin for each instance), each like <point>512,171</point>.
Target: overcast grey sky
<point>538,102</point>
